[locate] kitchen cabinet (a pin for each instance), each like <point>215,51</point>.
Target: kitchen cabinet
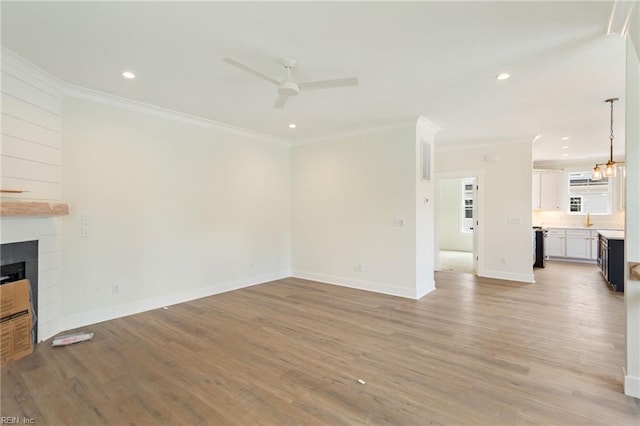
<point>546,191</point>
<point>578,244</point>
<point>554,245</point>
<point>550,190</point>
<point>594,245</point>
<point>611,258</point>
<point>571,243</point>
<point>535,191</point>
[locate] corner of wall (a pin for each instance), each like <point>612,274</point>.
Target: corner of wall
<point>632,386</point>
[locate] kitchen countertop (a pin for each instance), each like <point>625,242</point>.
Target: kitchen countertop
<point>584,228</point>
<point>611,235</point>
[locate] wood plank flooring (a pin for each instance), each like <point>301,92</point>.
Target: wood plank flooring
<point>475,351</point>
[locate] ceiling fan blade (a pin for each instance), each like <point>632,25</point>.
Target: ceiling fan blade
<point>328,84</point>
<point>281,101</point>
<point>250,70</point>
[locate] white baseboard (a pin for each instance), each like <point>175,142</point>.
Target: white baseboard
<point>112,312</point>
<point>49,329</point>
<point>572,259</point>
<point>632,386</point>
<point>376,287</point>
<point>425,289</point>
<point>509,276</point>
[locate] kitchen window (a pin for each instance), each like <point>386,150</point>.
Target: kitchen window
<point>588,196</point>
<point>575,204</point>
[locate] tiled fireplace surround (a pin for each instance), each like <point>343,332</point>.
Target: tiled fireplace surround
<point>46,230</point>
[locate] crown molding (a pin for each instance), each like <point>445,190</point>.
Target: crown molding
<point>141,107</point>
<point>620,19</point>
<point>364,130</point>
<point>427,125</point>
<point>482,143</point>
<point>634,29</point>
<point>586,162</point>
<point>58,86</point>
<point>15,64</point>
<point>12,62</point>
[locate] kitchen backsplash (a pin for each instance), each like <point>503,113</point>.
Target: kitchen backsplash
<point>554,219</point>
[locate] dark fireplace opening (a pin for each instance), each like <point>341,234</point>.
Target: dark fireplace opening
<point>19,261</point>
<point>12,272</point>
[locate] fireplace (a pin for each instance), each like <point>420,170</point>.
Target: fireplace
<point>19,261</point>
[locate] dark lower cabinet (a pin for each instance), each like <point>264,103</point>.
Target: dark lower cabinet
<point>611,261</point>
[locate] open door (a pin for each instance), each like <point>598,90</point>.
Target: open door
<point>474,215</point>
<point>459,213</point>
<point>456,220</point>
<point>470,224</point>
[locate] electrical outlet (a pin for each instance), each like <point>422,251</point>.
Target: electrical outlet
<point>503,261</point>
<point>84,231</point>
<point>251,265</point>
<point>115,288</point>
<point>359,267</point>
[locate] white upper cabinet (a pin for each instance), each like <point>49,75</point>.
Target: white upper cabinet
<point>547,190</point>
<point>535,193</point>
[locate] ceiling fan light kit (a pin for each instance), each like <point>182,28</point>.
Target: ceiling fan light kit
<point>287,87</point>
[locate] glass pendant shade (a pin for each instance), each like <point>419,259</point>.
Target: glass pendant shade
<point>596,174</point>
<point>610,169</point>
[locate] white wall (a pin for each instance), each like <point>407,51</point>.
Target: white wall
<point>31,161</point>
<point>174,211</point>
<point>505,227</point>
<point>347,192</point>
<point>632,229</point>
<point>450,211</point>
<point>425,238</point>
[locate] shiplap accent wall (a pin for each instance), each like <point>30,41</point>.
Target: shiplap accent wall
<point>31,140</point>
<point>31,161</point>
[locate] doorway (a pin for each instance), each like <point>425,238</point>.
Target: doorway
<point>457,220</point>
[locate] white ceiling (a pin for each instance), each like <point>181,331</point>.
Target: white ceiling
<point>436,59</point>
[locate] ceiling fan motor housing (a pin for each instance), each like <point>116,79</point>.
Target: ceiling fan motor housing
<point>288,88</point>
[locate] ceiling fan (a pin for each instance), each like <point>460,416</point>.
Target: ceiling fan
<point>287,87</point>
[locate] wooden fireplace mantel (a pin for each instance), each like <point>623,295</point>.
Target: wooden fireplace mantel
<point>32,208</point>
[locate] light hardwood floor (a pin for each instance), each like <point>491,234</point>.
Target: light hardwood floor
<point>475,351</point>
<point>456,261</point>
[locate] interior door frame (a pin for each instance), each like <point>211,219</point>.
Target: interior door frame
<point>478,213</point>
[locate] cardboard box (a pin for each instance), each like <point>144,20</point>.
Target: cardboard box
<point>16,340</point>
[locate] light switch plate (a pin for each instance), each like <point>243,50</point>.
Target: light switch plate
<point>398,221</point>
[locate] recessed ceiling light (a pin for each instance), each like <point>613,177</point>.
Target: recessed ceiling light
<point>565,147</point>
<point>565,138</point>
<point>503,76</point>
<point>129,75</point>
<point>292,126</point>
<point>565,155</point>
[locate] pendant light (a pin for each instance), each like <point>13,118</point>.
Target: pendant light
<point>609,166</point>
